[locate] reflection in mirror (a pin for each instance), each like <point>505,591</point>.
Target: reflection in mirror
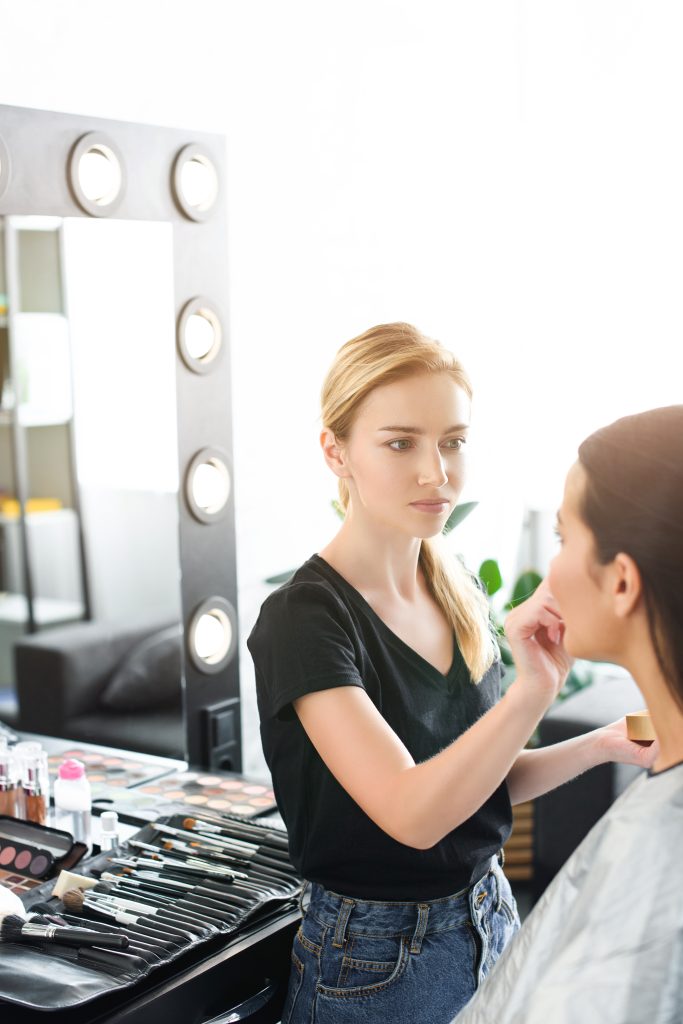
<point>89,333</point>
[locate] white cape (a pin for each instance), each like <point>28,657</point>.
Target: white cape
<point>604,945</point>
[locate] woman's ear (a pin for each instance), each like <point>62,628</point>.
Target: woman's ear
<point>627,585</point>
<point>334,453</point>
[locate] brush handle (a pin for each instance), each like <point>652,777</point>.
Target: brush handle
<point>73,936</point>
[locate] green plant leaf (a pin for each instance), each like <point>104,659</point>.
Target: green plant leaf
<point>524,588</point>
<point>459,513</point>
<point>281,577</point>
<point>489,573</point>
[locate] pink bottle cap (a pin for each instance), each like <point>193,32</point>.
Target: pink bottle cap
<point>71,769</point>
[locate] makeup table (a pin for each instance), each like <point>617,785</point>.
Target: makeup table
<point>239,977</point>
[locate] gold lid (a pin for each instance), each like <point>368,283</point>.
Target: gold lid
<point>639,726</point>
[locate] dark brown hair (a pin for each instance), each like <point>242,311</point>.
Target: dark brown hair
<point>633,504</point>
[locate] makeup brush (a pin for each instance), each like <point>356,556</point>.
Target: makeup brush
<point>274,869</point>
<point>228,844</point>
<point>75,902</point>
<point>136,937</point>
<point>214,866</point>
<point>270,837</point>
<point>14,929</point>
<point>192,865</point>
<point>178,906</point>
<point>169,916</point>
<point>176,890</point>
<point>151,930</point>
<point>248,884</point>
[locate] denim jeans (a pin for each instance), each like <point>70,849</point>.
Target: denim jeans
<point>367,961</point>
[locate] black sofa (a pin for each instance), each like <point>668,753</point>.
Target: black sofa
<point>114,684</point>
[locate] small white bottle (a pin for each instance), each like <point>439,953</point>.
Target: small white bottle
<point>109,830</point>
<point>73,800</point>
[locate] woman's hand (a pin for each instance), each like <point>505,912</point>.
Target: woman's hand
<point>615,745</point>
<point>535,631</point>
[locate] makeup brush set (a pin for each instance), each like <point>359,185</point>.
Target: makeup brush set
<point>176,884</point>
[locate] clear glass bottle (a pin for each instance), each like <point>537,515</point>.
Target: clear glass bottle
<point>35,785</point>
<point>9,787</point>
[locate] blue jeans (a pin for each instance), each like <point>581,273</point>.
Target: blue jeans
<point>367,961</point>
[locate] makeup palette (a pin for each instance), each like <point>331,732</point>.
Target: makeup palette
<point>219,792</point>
<point>30,853</point>
<point>107,771</point>
<point>190,792</point>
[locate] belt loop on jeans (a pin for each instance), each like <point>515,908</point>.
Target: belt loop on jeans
<point>342,921</point>
<point>420,928</point>
<point>301,897</point>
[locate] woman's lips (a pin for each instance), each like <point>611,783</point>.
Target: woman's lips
<point>434,508</point>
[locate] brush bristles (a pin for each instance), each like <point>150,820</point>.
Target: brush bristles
<point>73,900</point>
<point>10,929</point>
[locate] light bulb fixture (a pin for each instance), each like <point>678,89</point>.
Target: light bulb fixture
<point>207,485</point>
<point>200,335</point>
<point>5,168</point>
<point>96,174</point>
<point>212,636</point>
<point>195,182</point>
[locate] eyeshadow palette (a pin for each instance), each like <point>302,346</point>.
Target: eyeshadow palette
<point>189,792</point>
<point>232,794</point>
<point>107,771</point>
<point>30,853</point>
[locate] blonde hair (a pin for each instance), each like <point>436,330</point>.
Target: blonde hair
<point>383,354</point>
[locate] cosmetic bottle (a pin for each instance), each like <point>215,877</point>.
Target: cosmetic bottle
<point>35,786</point>
<point>109,830</point>
<point>9,788</point>
<point>73,800</point>
<point>21,751</point>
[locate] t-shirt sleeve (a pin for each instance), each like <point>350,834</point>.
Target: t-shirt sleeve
<point>303,641</point>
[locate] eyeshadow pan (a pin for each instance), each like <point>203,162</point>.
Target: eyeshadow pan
<point>23,860</point>
<point>39,864</point>
<point>7,854</point>
<point>196,799</point>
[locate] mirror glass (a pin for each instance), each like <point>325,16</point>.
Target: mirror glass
<point>91,422</point>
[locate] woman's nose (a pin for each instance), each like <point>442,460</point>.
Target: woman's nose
<point>432,470</point>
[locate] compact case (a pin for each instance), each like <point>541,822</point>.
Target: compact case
<point>57,978</point>
<point>30,853</point>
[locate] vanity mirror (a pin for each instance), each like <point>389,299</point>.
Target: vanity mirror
<point>115,435</point>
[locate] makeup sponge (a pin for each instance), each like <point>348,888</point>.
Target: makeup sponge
<point>10,903</point>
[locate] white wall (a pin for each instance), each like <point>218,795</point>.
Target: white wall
<point>505,175</point>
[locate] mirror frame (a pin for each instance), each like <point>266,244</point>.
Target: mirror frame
<point>40,144</point>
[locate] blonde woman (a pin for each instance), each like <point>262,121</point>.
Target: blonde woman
<point>394,759</point>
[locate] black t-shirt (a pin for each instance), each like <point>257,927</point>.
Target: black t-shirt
<point>317,632</point>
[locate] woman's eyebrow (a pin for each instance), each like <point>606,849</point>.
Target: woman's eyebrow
<point>418,430</point>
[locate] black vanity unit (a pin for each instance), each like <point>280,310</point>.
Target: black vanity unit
<point>241,980</point>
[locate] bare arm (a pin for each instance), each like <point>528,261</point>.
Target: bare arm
<point>418,804</point>
<point>538,771</point>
